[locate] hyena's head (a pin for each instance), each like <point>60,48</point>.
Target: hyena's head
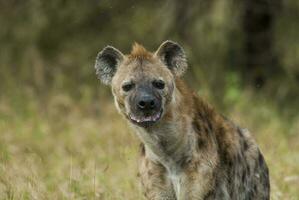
<point>143,83</point>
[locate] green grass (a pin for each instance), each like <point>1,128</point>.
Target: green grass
<point>60,148</point>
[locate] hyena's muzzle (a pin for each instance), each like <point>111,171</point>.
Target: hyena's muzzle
<point>145,105</point>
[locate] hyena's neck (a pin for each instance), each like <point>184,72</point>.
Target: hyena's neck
<point>172,142</point>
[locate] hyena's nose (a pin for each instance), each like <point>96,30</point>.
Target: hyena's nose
<point>146,103</point>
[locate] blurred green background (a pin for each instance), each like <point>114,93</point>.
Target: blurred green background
<point>60,136</point>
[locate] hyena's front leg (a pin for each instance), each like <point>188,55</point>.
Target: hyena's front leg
<point>197,182</point>
<point>155,184</point>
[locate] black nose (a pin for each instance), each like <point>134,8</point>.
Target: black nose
<point>146,103</point>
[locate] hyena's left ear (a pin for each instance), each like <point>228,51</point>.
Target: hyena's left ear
<point>173,56</point>
<point>107,62</point>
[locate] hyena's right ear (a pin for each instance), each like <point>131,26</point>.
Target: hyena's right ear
<point>107,62</point>
<point>173,56</point>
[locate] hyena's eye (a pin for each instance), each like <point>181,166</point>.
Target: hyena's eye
<point>159,84</point>
<point>127,86</point>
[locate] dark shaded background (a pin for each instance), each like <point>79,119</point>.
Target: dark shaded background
<point>52,45</point>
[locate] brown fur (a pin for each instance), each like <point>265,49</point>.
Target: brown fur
<point>139,52</point>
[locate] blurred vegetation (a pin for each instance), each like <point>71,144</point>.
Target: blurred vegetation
<point>61,138</point>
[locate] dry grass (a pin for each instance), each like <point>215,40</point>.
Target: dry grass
<point>65,149</point>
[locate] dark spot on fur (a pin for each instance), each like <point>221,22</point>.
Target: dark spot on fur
<point>163,143</point>
<point>209,195</point>
<point>254,188</point>
<point>150,173</point>
<point>207,130</point>
<point>261,159</point>
<point>196,126</point>
<point>245,145</point>
<point>142,149</point>
<point>248,168</point>
<point>200,143</point>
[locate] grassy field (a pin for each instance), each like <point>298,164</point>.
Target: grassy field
<point>60,148</point>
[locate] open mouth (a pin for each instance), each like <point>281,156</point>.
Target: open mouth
<point>146,120</point>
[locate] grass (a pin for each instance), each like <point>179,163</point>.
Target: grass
<point>61,148</point>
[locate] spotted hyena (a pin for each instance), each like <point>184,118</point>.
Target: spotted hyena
<point>188,150</point>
